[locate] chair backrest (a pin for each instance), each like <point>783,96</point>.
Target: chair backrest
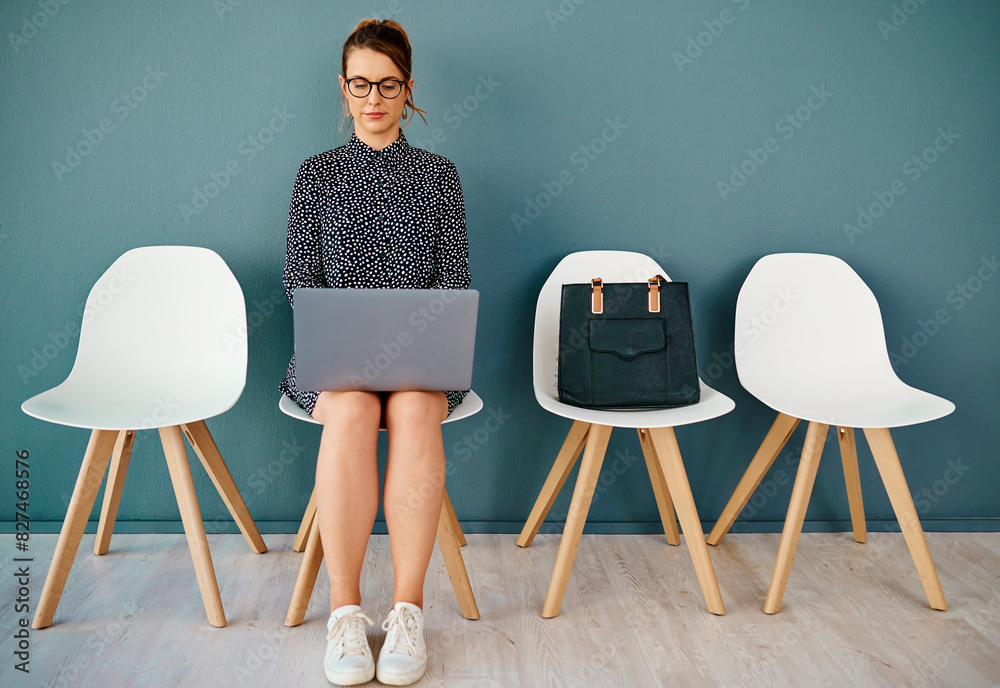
<point>610,266</point>
<point>806,321</point>
<point>166,317</point>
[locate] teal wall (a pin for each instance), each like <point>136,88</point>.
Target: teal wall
<point>827,106</point>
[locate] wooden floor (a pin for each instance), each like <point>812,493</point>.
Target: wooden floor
<point>633,615</point>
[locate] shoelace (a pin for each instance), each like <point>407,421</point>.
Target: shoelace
<point>397,627</point>
<point>348,633</point>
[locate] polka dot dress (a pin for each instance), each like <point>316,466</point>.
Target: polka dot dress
<point>367,219</point>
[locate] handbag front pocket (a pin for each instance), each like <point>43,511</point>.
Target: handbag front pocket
<point>628,361</point>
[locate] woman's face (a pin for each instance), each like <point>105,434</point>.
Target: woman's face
<point>376,118</point>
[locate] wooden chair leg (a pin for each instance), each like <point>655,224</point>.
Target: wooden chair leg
<point>194,529</point>
<point>583,494</point>
<point>456,527</point>
<point>448,542</point>
<point>306,580</point>
<point>801,490</point>
<point>665,443</point>
<point>774,441</point>
<point>308,519</point>
<point>889,468</point>
<point>88,482</point>
<point>663,501</point>
<point>113,490</point>
<point>204,446</point>
<point>447,539</point>
<point>563,464</point>
<point>849,458</point>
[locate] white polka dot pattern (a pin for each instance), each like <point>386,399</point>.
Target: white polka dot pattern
<point>367,219</point>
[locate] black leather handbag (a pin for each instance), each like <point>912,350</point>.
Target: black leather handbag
<point>627,345</point>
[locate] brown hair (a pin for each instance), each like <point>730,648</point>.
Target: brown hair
<point>387,37</point>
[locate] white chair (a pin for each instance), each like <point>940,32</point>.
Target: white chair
<point>810,344</point>
<point>449,536</point>
<point>592,429</point>
<point>162,345</point>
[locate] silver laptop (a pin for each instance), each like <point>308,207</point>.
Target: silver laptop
<point>384,339</point>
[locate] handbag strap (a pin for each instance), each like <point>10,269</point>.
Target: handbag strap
<point>654,293</point>
<point>597,294</point>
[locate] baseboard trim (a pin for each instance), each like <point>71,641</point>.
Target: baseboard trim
<point>930,525</point>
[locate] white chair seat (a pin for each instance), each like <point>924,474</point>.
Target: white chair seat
<point>470,405</point>
<point>125,405</point>
<point>712,405</point>
<point>887,403</point>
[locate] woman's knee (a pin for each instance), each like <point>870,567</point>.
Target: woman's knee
<point>416,407</point>
<point>349,409</point>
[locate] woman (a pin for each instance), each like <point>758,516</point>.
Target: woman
<point>377,213</point>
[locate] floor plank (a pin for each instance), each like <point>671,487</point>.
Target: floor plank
<point>633,615</point>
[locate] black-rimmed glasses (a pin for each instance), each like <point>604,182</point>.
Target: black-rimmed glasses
<point>388,88</point>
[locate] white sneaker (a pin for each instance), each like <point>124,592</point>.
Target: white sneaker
<point>348,660</point>
<point>403,659</point>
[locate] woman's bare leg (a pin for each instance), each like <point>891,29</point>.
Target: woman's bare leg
<point>414,486</point>
<point>346,486</point>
